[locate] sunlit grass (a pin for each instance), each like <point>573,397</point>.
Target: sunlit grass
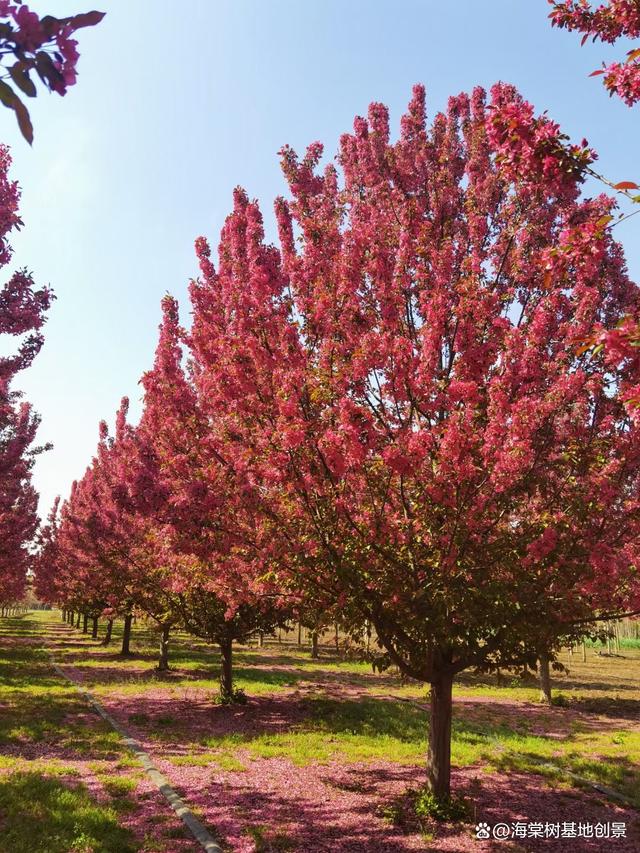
<point>42,813</point>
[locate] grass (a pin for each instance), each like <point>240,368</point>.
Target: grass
<point>344,712</point>
<point>224,760</point>
<point>48,732</point>
<point>46,814</point>
<point>270,841</point>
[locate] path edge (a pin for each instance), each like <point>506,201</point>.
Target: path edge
<point>195,827</point>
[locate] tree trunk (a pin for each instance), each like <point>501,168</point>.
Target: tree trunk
<point>94,628</point>
<point>299,634</point>
<point>85,623</point>
<point>78,620</point>
<point>260,639</point>
<point>126,635</point>
<point>544,674</point>
<point>314,644</point>
<point>107,636</point>
<point>584,653</point>
<point>163,660</point>
<point>337,639</point>
<point>439,755</point>
<point>64,615</point>
<point>226,670</point>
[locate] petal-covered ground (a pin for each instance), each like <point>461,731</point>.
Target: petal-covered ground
<point>323,752</point>
<point>66,782</point>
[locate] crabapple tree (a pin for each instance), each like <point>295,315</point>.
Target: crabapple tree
<point>403,398</point>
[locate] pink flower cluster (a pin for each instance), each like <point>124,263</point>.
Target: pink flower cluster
<point>608,22</point>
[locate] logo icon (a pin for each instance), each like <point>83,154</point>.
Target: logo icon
<point>483,830</point>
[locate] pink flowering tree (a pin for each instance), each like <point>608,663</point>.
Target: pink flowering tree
<point>22,314</point>
<point>111,557</point>
<point>402,395</point>
<point>32,47</point>
<point>608,22</point>
<point>188,488</point>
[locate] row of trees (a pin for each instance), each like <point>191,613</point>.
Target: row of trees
<point>393,416</point>
<point>43,48</point>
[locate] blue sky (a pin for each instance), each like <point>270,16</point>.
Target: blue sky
<point>177,104</point>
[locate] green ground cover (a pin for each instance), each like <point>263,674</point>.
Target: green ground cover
<point>340,712</point>
<point>66,781</point>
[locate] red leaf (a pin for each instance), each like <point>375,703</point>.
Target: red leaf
<point>86,19</point>
<point>595,73</point>
<point>24,121</point>
<point>626,185</point>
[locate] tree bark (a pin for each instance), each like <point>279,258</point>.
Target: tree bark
<point>260,639</point>
<point>94,628</point>
<point>64,615</point>
<point>226,670</point>
<point>126,635</point>
<point>439,754</point>
<point>85,623</point>
<point>314,644</point>
<point>299,634</point>
<point>78,620</point>
<point>544,673</point>
<point>107,636</point>
<point>163,660</point>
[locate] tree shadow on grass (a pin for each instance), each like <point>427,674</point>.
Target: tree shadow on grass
<point>616,772</point>
<point>47,814</point>
<point>607,706</point>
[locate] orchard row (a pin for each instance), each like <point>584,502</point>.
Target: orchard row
<point>396,418</point>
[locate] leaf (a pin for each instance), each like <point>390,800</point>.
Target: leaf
<point>47,71</point>
<point>633,54</point>
<point>13,102</point>
<point>86,19</point>
<point>595,73</point>
<point>626,185</point>
<point>24,120</point>
<point>50,25</point>
<point>604,220</point>
<point>22,80</point>
<point>7,95</point>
